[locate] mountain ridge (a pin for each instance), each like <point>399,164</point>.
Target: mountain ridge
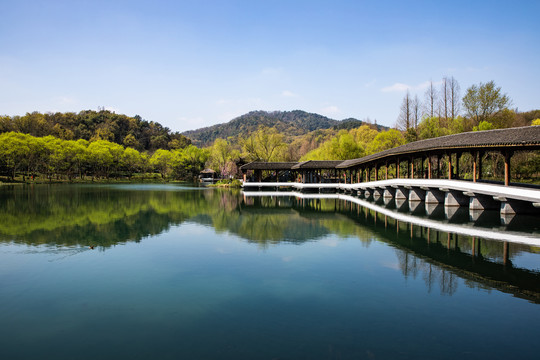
<point>291,123</point>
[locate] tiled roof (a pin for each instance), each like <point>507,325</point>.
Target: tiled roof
<point>261,165</point>
<point>528,136</point>
<point>317,164</point>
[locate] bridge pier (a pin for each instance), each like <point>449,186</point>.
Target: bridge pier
<point>482,202</point>
<point>401,193</point>
<point>455,198</point>
<point>434,196</point>
<point>509,206</point>
<point>377,193</point>
<point>367,193</point>
<point>389,192</point>
<point>416,194</point>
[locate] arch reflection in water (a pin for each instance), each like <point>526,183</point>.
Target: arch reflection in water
<point>439,242</point>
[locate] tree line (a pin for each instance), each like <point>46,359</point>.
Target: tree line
<point>55,158</point>
<point>90,125</point>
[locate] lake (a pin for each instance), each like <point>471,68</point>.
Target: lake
<point>178,272</point>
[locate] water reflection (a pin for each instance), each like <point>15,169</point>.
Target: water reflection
<point>433,242</point>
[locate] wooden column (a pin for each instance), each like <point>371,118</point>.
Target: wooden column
<point>475,161</point>
<point>507,156</point>
<point>376,172</point>
<point>429,167</point>
<point>480,156</point>
<point>450,166</point>
<point>412,168</point>
<point>458,155</point>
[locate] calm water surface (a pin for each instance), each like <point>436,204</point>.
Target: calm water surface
<point>172,272</point>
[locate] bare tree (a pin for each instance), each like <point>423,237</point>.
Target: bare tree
<point>416,114</point>
<point>445,98</point>
<point>455,99</point>
<point>431,98</point>
<point>405,115</point>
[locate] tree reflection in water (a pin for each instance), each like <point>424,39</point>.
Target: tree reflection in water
<point>75,217</point>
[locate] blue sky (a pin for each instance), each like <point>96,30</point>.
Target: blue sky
<point>189,64</point>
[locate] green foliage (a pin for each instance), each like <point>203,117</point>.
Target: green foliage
<point>265,144</point>
<point>188,162</point>
<point>341,147</point>
<point>484,125</point>
<point>385,140</point>
<point>162,162</point>
<point>223,157</point>
<point>356,143</point>
<point>97,125</point>
<point>50,156</point>
<point>485,100</point>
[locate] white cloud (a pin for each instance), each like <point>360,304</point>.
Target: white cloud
<point>330,110</point>
<point>397,87</point>
<point>400,87</point>
<point>423,85</point>
<point>287,93</point>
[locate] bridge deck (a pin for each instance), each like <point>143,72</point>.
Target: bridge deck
<point>467,187</point>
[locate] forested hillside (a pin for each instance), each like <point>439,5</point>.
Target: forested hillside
<point>97,125</point>
<point>290,123</point>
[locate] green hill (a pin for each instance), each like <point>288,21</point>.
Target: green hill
<point>291,123</point>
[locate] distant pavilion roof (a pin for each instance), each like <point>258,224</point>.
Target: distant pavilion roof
<point>317,164</point>
<point>261,165</point>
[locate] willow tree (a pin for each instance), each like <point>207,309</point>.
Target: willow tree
<point>265,144</point>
